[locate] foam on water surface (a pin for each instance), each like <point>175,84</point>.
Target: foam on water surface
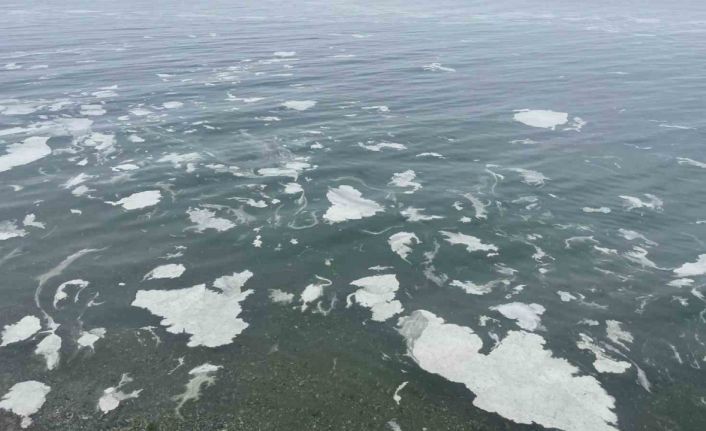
<point>25,399</point>
<point>139,200</point>
<point>28,151</point>
<point>299,105</point>
<point>170,270</point>
<point>377,293</point>
<point>541,118</point>
<point>21,330</point>
<point>527,316</point>
<point>210,317</point>
<point>512,376</point>
<point>347,203</point>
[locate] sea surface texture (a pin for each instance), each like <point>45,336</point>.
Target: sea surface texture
<point>353,215</point>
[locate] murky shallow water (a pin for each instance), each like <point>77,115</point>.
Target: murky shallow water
<point>231,216</point>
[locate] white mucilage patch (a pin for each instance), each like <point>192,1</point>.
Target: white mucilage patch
<point>170,270</point>
<point>377,293</point>
<point>347,203</point>
<point>203,375</point>
<point>206,219</point>
<point>299,105</point>
<point>402,242</point>
<point>113,396</point>
<point>139,200</point>
<point>518,379</point>
<point>603,362</point>
<point>541,118</point>
<point>30,150</point>
<point>692,269</point>
<point>527,316</point>
<point>472,243</point>
<point>25,399</point>
<point>210,317</point>
<point>22,330</point>
<point>405,180</point>
<point>9,229</point>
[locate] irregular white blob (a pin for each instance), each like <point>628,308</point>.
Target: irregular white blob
<point>576,124</point>
<point>401,243</point>
<point>437,67</point>
<point>472,243</point>
<point>89,338</point>
<point>617,334</point>
<point>347,203</point>
<point>281,297</point>
<point>475,289</point>
<point>284,53</point>
<point>603,362</point>
<point>80,191</point>
<point>396,397</point>
<point>135,139</point>
<point>405,179</point>
<point>92,110</point>
<point>293,188</point>
<point>101,142</point>
<point>78,179</point>
<point>257,242</point>
<point>436,155</point>
<point>206,219</point>
<point>299,105</point>
<point>379,108</point>
<point>125,167</point>
<point>532,178</point>
<point>201,375</point>
<point>9,229</point>
<point>30,150</point>
<point>22,330</point>
<point>211,318</point>
<point>382,145</point>
<point>569,241</point>
<point>415,214</point>
<point>252,202</point>
<point>639,256</point>
<point>691,269</point>
<point>57,127</point>
<point>541,118</point>
<point>268,118</point>
<point>524,141</point>
<point>140,112</point>
<point>25,399</point>
<point>30,220</point>
<point>604,210</point>
<point>527,316</point>
<point>377,292</point>
<point>691,162</point>
<point>393,425</point>
<point>631,202</point>
<point>61,290</point>
<point>313,291</point>
<point>631,235</point>
<point>172,105</point>
<point>170,270</point>
<point>113,396</point>
<point>49,348</point>
<point>478,206</point>
<point>139,200</point>
<point>566,296</point>
<point>518,379</point>
<point>681,282</point>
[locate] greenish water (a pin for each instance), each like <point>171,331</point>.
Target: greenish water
<point>282,146</point>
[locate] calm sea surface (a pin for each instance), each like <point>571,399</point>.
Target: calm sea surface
<point>353,215</point>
